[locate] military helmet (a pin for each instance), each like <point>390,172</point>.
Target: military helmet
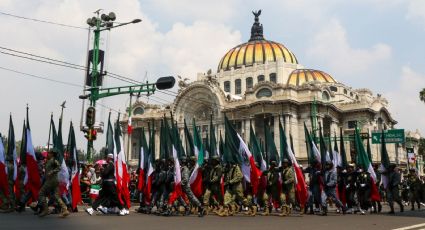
<point>273,163</point>
<point>285,161</point>
<point>215,157</point>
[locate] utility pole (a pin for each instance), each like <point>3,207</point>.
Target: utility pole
<point>99,24</point>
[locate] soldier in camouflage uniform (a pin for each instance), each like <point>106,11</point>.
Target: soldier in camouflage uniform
<point>51,185</point>
<point>288,186</point>
<point>234,190</point>
<point>185,183</point>
<point>213,191</point>
<point>415,188</point>
<point>274,190</point>
<point>393,192</point>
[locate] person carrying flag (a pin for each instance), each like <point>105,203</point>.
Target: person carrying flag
<point>288,186</point>
<point>186,188</point>
<point>51,185</point>
<point>213,191</point>
<point>329,181</point>
<point>108,194</point>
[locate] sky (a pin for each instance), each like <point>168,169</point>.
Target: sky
<point>375,44</point>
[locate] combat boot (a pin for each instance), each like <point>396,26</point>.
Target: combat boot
<point>283,211</point>
<point>64,213</point>
<point>325,211</point>
<point>391,209</point>
<point>225,212</point>
<point>302,210</point>
<point>266,211</point>
<point>201,211</point>
<point>44,210</point>
<point>254,210</point>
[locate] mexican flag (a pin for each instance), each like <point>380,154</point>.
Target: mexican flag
<point>344,162</point>
<point>11,149</point>
<point>150,158</point>
<point>123,179</point>
<point>75,172</point>
<point>250,171</point>
<point>143,158</point>
<point>363,161</point>
<point>177,178</point>
<point>385,161</point>
<point>63,175</point>
<point>32,178</point>
<point>196,177</point>
<point>4,185</point>
<point>314,153</point>
<point>256,150</point>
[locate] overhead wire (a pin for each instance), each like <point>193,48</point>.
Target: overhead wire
<point>43,21</point>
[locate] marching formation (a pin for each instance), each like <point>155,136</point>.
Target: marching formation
<point>202,177</point>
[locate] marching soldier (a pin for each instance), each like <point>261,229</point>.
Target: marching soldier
<point>214,184</point>
<point>234,190</point>
<point>185,183</point>
<point>415,188</point>
<point>393,193</point>
<point>273,188</point>
<point>364,189</point>
<point>330,181</point>
<point>288,186</point>
<point>376,205</point>
<point>51,185</point>
<point>350,187</point>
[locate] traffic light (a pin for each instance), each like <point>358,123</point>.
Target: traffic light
<point>90,116</point>
<point>165,83</point>
<point>93,134</point>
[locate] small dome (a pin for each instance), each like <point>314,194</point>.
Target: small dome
<point>301,76</point>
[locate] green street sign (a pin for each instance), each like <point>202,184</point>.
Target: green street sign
<point>391,136</point>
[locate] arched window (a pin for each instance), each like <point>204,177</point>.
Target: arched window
<point>227,86</point>
<point>249,83</point>
<point>264,92</point>
<point>273,77</point>
<point>333,89</point>
<point>260,78</point>
<point>238,87</point>
<point>138,111</point>
<point>325,96</point>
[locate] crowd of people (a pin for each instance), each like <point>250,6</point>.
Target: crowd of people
<point>225,192</point>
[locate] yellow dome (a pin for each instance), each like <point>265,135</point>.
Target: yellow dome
<point>301,76</point>
<point>256,50</point>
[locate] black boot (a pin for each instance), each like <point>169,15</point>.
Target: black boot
<point>391,209</point>
<point>324,211</point>
<point>201,211</point>
<point>401,206</point>
<point>20,207</point>
<point>379,207</point>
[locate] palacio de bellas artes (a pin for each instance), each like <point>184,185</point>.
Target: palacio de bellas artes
<point>261,82</point>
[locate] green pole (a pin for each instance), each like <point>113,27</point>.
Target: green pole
<point>94,87</point>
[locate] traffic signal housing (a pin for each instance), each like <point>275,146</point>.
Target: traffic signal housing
<point>90,116</point>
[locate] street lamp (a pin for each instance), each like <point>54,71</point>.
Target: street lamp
<point>100,23</point>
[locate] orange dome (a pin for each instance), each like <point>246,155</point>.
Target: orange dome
<point>301,76</point>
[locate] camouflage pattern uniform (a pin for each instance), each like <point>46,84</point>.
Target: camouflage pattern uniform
<point>51,186</point>
<point>415,189</point>
<point>214,188</point>
<point>234,191</point>
<point>186,186</point>
<point>393,192</point>
<point>288,186</point>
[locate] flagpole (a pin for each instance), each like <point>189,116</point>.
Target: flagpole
<point>50,131</point>
<point>129,133</point>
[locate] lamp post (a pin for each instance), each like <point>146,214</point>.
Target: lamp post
<point>101,23</point>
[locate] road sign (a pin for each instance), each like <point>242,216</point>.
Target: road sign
<point>391,136</point>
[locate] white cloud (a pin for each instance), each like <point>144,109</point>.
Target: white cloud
<point>405,105</point>
<point>185,49</point>
<point>331,48</point>
<point>416,11</point>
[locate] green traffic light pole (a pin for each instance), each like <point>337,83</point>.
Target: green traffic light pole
<point>102,23</point>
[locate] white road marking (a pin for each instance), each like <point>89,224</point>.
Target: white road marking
<point>411,227</point>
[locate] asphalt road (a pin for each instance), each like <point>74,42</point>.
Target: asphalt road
<point>79,221</point>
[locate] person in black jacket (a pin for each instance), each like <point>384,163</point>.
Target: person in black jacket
<point>393,193</point>
<point>108,196</point>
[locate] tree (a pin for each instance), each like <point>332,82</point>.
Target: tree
<point>422,95</point>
